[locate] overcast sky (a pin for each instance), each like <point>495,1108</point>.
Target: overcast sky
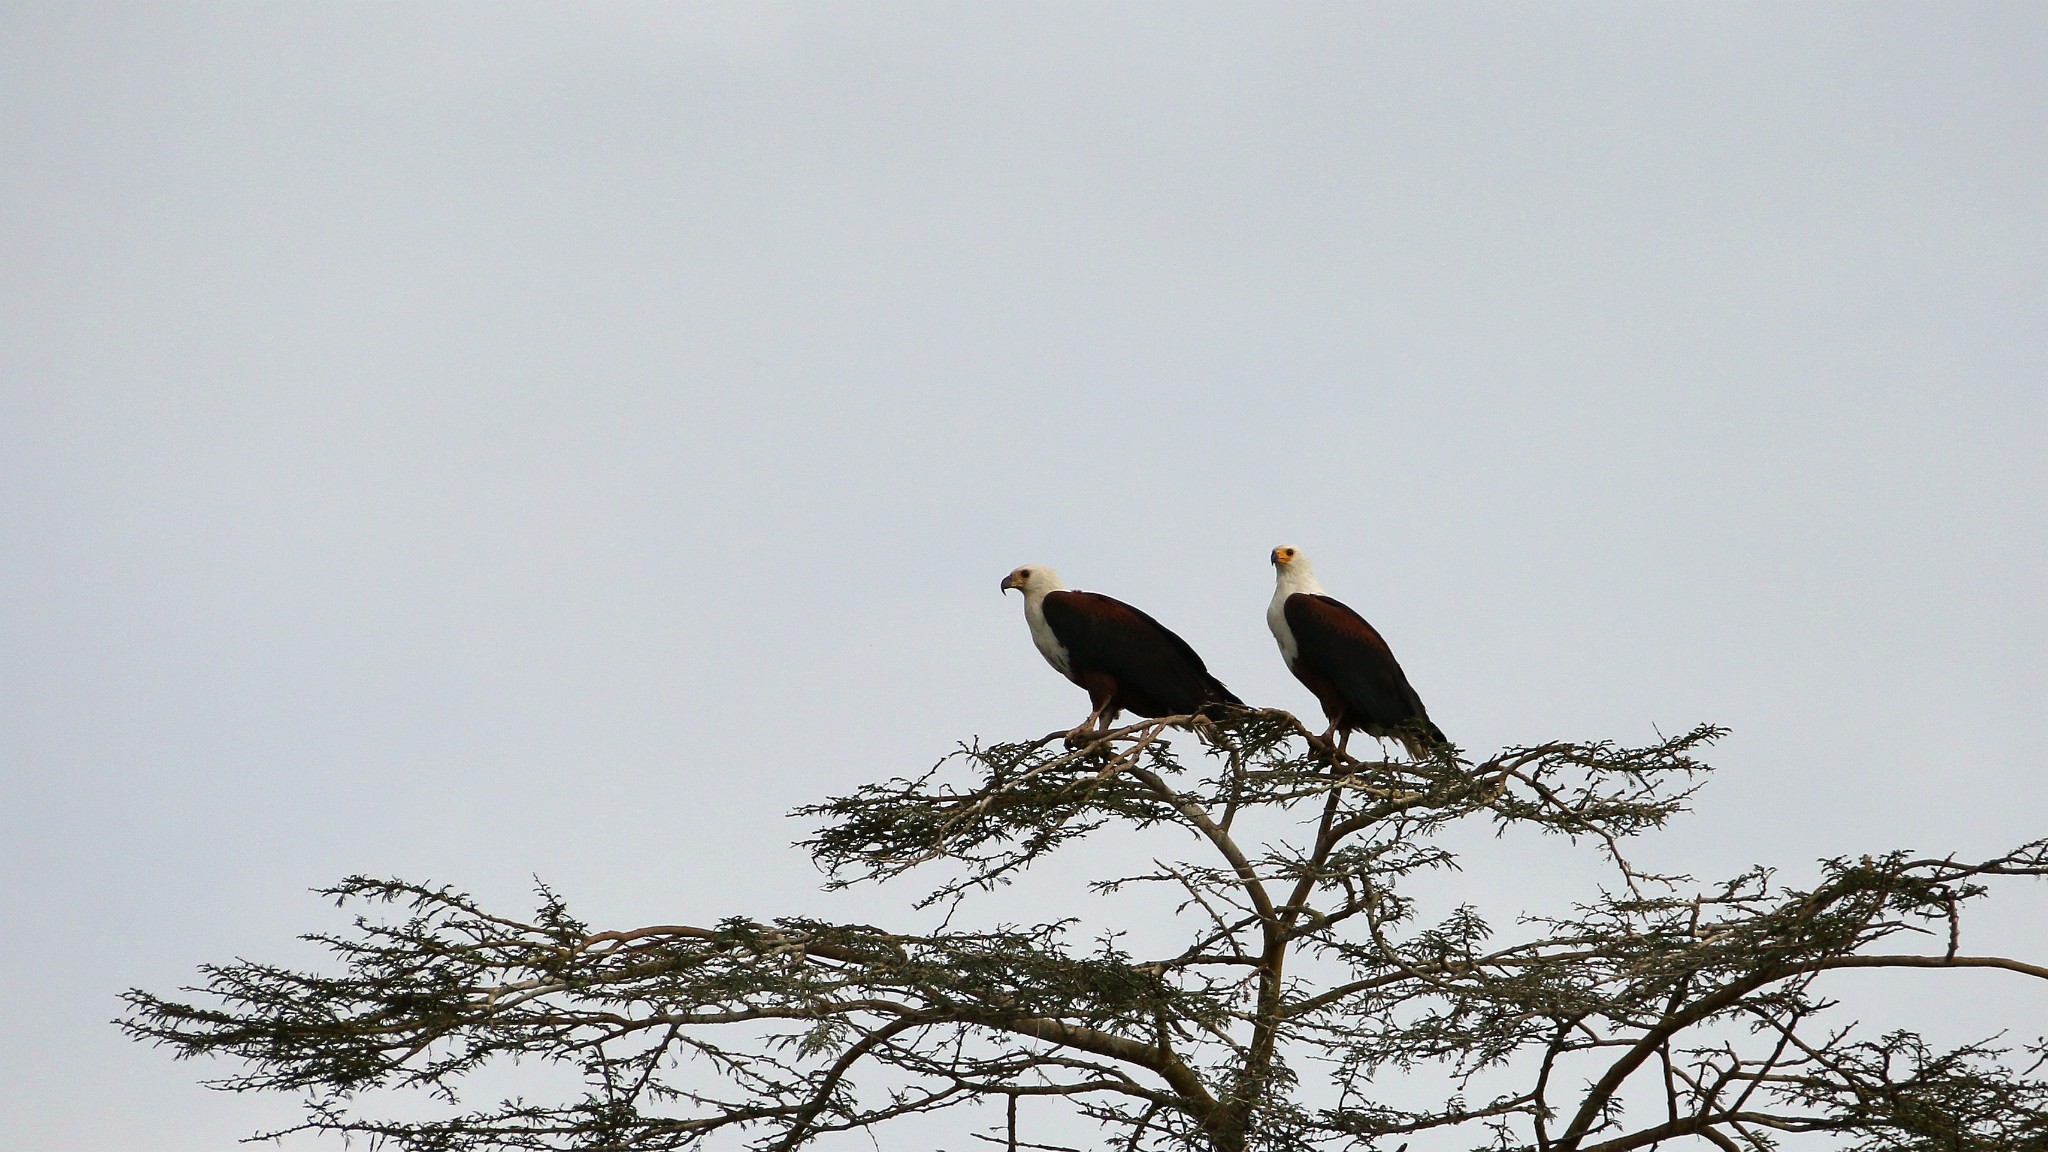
<point>478,442</point>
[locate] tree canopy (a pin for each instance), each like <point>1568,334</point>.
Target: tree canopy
<point>1661,1011</point>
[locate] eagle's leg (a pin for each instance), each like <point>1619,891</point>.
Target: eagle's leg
<point>1332,741</point>
<point>1099,719</point>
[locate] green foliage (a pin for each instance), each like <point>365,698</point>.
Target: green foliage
<point>1306,980</point>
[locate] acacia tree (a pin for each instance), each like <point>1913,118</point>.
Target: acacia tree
<point>1306,983</point>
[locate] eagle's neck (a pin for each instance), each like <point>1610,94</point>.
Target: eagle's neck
<point>1042,636</point>
<point>1295,577</point>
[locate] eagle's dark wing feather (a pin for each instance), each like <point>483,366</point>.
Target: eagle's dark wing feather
<point>1337,643</point>
<point>1157,673</point>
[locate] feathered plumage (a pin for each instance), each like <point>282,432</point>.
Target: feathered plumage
<point>1126,660</point>
<point>1344,661</point>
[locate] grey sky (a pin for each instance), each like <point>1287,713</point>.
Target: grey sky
<point>472,442</point>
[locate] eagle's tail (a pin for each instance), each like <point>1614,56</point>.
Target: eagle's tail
<point>1220,700</point>
<point>1421,738</point>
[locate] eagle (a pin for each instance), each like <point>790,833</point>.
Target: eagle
<point>1126,660</point>
<point>1343,660</point>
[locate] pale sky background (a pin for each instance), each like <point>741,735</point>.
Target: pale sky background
<point>478,442</point>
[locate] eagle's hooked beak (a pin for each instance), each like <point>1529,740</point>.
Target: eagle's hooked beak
<point>1010,582</point>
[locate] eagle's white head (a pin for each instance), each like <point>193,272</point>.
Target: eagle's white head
<point>1291,572</point>
<point>1034,580</point>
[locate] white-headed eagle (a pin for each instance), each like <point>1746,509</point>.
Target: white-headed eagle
<point>1341,659</point>
<point>1127,661</point>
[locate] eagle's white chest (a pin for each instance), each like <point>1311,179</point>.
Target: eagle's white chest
<point>1276,619</point>
<point>1049,645</point>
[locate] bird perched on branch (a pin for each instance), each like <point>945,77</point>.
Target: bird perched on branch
<point>1127,661</point>
<point>1343,660</point>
